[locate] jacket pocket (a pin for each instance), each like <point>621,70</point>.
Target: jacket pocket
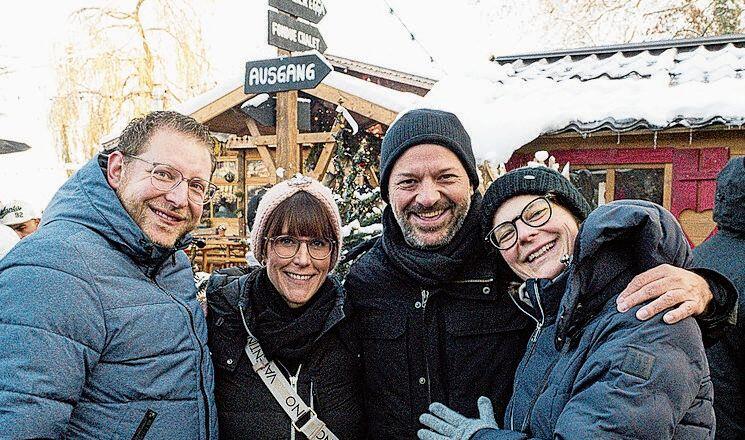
<point>147,421</point>
<point>225,348</point>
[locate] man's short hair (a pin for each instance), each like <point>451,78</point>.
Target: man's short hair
<point>138,132</point>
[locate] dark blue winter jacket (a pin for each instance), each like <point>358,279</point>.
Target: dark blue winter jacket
<point>101,333</point>
<point>725,253</point>
<point>592,372</point>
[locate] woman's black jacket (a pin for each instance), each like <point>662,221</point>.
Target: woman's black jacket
<point>329,374</point>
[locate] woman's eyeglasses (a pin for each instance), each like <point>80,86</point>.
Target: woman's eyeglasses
<point>287,246</point>
<point>535,214</point>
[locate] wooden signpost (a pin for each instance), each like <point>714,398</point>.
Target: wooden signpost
<point>288,33</point>
<point>285,74</point>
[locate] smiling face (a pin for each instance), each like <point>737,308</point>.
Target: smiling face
<point>299,277</point>
<point>163,216</point>
<point>430,195</point>
<point>538,251</point>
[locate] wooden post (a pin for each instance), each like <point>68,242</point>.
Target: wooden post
<point>288,150</point>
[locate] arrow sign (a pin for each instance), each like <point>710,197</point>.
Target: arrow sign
<point>290,34</point>
<point>305,71</point>
<point>311,10</point>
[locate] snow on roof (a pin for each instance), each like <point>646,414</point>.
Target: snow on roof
<point>508,104</point>
<point>383,96</point>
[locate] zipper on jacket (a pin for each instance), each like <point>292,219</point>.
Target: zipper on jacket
<point>425,298</point>
<point>145,424</point>
<point>533,339</point>
<point>201,360</point>
<point>293,384</point>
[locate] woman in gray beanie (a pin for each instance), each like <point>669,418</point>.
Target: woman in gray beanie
<point>589,371</point>
<point>278,333</point>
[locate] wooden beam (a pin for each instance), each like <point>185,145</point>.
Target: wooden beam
<point>266,157</point>
<point>242,186</point>
<point>354,103</point>
<point>323,161</point>
<point>667,187</point>
<point>253,127</point>
<point>214,108</point>
<point>288,152</point>
<point>270,139</point>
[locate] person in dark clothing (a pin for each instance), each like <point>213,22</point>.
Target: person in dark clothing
<point>431,313</point>
<point>297,313</point>
<point>589,371</point>
<point>724,253</point>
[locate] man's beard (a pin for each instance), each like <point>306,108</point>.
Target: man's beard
<point>459,213</point>
<point>138,210</point>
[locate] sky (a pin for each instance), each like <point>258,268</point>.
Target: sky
<point>457,34</point>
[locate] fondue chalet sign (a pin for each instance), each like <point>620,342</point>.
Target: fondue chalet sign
<point>287,31</point>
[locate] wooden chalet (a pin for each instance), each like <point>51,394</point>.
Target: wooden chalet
<point>674,164</point>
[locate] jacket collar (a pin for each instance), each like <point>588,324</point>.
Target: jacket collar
<point>87,199</point>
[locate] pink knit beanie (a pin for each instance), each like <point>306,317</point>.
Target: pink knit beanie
<point>283,191</point>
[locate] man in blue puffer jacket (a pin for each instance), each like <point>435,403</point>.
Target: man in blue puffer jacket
<point>101,333</point>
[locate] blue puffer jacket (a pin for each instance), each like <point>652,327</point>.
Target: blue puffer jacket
<point>591,372</point>
<point>101,333</point>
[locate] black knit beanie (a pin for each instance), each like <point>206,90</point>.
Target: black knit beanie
<point>538,181</point>
<point>425,126</point>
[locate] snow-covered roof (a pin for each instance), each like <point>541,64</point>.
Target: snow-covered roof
<point>381,72</point>
<point>658,85</point>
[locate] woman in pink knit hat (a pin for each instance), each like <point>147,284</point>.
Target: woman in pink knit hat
<point>284,362</point>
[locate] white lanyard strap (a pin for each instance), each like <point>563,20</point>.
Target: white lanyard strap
<point>286,396</point>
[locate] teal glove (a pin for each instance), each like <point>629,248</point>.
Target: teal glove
<point>446,424</point>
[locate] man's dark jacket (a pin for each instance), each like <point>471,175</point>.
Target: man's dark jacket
<point>433,326</point>
<point>314,348</point>
<point>592,372</point>
<point>725,253</point>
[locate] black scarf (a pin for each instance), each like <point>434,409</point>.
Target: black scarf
<point>432,267</point>
<point>289,333</point>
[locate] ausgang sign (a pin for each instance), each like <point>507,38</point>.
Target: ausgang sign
<point>291,34</point>
<point>311,10</point>
<point>300,72</point>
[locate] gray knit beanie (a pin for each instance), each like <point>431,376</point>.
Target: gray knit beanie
<point>425,126</point>
<point>538,181</point>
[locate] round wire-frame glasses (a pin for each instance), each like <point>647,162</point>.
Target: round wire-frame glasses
<point>535,214</point>
<point>287,246</point>
<point>166,178</point>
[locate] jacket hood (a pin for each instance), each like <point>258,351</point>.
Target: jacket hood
<point>616,242</point>
<point>729,205</point>
<point>88,200</point>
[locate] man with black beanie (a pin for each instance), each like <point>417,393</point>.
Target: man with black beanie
<point>434,322</point>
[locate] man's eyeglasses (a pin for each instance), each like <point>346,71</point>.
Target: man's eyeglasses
<point>166,178</point>
<point>287,246</point>
<point>535,214</point>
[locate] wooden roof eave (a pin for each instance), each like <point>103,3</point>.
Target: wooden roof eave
<point>328,93</point>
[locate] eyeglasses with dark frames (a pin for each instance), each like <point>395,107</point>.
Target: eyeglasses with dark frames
<point>287,246</point>
<point>166,178</point>
<point>535,214</point>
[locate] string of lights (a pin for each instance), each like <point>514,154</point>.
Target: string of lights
<point>411,34</point>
